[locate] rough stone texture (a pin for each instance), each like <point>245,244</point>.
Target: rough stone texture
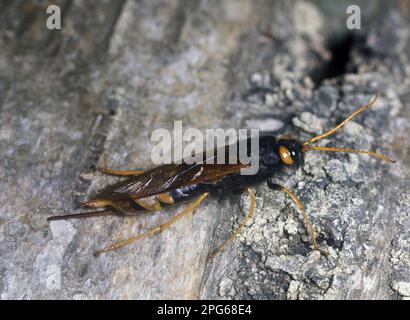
<point>92,93</point>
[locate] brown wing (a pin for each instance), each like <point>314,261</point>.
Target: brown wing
<point>168,177</point>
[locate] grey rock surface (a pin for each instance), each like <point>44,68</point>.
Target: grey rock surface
<point>90,95</point>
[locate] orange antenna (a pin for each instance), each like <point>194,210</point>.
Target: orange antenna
<point>349,150</point>
<point>308,147</point>
<point>354,114</point>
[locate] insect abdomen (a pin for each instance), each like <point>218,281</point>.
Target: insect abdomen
<point>187,193</point>
<point>157,202</point>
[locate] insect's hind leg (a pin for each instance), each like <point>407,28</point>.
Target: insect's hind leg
<point>119,172</point>
<point>309,226</point>
<point>249,215</point>
<point>155,230</point>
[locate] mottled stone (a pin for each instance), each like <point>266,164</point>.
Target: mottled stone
<point>91,94</point>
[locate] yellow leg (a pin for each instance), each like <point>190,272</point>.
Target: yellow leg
<point>153,231</point>
<point>306,219</point>
<point>241,226</point>
<point>119,172</point>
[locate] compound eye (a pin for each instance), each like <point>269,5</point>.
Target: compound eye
<point>285,155</point>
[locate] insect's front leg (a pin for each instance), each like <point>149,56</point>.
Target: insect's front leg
<point>277,187</point>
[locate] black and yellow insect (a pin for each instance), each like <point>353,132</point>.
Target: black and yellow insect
<point>173,183</point>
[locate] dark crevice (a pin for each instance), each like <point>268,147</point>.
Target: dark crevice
<point>111,29</point>
<point>4,5</point>
<point>92,154</point>
<point>30,12</point>
<point>169,45</point>
<point>340,48</point>
<point>177,22</point>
